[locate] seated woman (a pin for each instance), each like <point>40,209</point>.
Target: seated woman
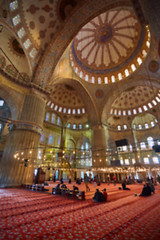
<point>99,196</point>
<point>56,190</point>
<point>124,186</point>
<point>64,189</point>
<point>75,190</point>
<point>146,191</point>
<point>63,186</point>
<point>104,195</point>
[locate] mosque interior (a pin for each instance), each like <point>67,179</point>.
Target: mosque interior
<point>79,89</point>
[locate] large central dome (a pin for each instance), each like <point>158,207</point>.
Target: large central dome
<point>110,47</point>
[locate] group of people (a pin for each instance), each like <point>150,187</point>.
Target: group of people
<point>62,188</point>
<point>100,196</point>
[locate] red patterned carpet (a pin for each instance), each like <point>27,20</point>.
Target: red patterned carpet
<point>25,214</point>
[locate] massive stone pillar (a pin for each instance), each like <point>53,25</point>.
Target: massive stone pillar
<point>99,147</point>
<point>20,153</point>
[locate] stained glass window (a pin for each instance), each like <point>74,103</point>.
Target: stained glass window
<point>53,118</point>
<point>47,116</point>
<point>27,43</point>
<point>155,160</point>
<point>50,139</point>
<point>33,52</point>
<point>21,32</point>
<point>58,121</point>
<point>13,5</point>
<point>16,20</point>
<point>146,160</point>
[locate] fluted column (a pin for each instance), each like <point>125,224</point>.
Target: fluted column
<point>99,147</point>
<point>20,153</point>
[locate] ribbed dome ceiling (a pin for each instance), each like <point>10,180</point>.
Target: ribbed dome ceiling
<point>107,45</point>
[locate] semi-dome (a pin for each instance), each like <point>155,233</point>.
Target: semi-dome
<point>135,100</point>
<point>65,99</point>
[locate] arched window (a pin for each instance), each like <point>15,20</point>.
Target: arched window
<point>142,145</point>
<point>106,80</point>
<point>42,138</point>
<point>146,125</point>
<point>50,139</point>
<point>133,161</point>
<point>140,126</point>
<point>119,76</point>
<point>130,146</point>
<point>74,126</point>
<point>58,120</point>
<point>146,160</point>
<point>85,154</point>
<point>119,127</point>
<point>59,140</point>
<point>155,160</point>
<point>93,80</point>
<point>125,126</point>
<point>121,161</point>
<point>126,161</point>
<point>53,118</point>
<point>16,20</point>
<point>150,142</point>
<point>47,116</point>
<point>133,67</point>
<point>126,72</point>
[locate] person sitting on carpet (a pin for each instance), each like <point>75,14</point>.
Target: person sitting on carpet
<point>64,189</point>
<point>57,189</point>
<point>75,188</point>
<point>99,197</point>
<point>63,186</point>
<point>124,186</point>
<point>152,187</point>
<point>104,195</point>
<point>146,191</point>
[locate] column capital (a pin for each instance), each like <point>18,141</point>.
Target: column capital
<point>23,125</point>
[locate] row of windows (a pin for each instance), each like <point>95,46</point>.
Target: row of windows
<point>77,126</point>
<point>136,111</point>
<point>143,145</point>
<point>139,126</point>
<point>146,160</point>
<point>100,80</point>
<point>50,140</point>
<point>21,32</point>
<point>51,117</point>
<point>65,110</point>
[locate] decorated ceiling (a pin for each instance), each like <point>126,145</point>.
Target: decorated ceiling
<point>106,47</point>
<point>98,44</point>
<point>134,97</point>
